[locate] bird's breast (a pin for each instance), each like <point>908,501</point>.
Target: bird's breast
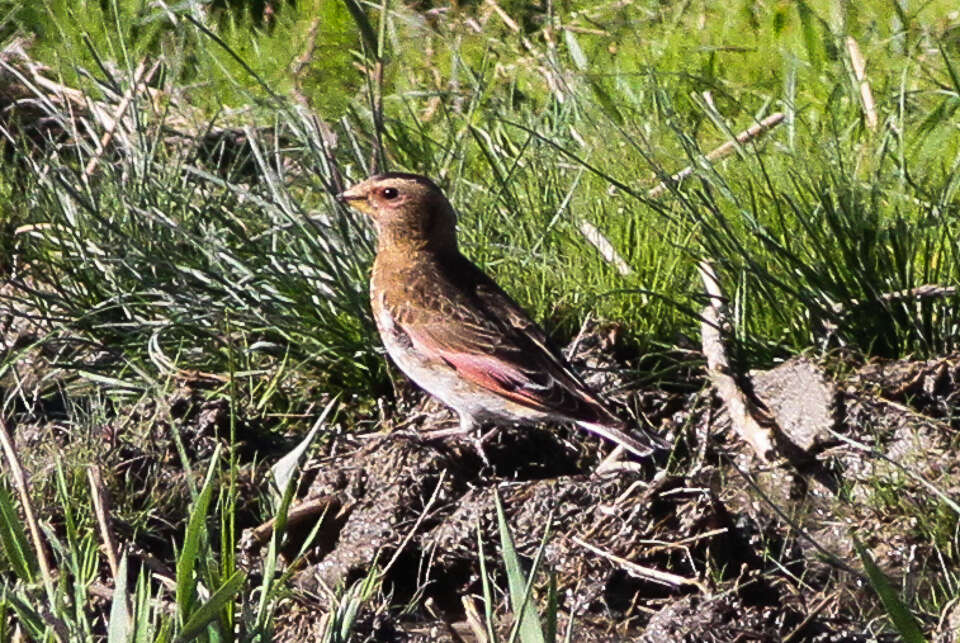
<point>395,340</point>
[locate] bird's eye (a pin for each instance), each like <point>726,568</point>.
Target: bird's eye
<point>389,193</point>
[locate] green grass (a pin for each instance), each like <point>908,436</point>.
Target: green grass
<point>79,37</point>
<point>207,595</point>
<point>158,265</point>
<point>818,218</point>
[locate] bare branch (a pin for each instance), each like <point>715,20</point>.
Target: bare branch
<point>718,153</point>
<point>746,417</point>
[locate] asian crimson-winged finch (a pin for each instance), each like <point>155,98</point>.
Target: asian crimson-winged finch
<point>455,333</point>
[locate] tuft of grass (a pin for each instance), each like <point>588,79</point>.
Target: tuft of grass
<point>165,264</point>
<point>528,624</point>
<point>209,595</point>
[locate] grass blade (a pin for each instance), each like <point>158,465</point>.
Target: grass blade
<point>903,620</point>
<point>208,612</point>
<point>119,629</point>
<point>196,528</point>
<point>520,588</point>
<point>485,585</point>
<point>367,32</point>
<point>16,548</point>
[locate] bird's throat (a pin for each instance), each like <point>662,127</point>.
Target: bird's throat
<point>404,241</point>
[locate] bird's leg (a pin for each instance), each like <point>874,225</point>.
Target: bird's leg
<point>440,434</point>
<point>463,428</point>
<point>468,427</point>
<point>466,430</point>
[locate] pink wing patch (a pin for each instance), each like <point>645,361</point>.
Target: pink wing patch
<point>487,371</point>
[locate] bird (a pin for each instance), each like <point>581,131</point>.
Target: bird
<point>453,331</point>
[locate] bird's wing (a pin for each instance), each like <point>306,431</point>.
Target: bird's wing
<point>468,322</point>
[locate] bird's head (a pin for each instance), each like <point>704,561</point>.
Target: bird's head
<point>408,210</point>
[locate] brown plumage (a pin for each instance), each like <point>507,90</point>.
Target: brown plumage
<point>454,332</point>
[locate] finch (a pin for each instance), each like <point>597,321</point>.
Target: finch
<point>457,334</point>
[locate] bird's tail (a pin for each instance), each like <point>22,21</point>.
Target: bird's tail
<point>642,443</point>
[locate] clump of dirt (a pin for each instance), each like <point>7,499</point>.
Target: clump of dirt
<point>701,545</point>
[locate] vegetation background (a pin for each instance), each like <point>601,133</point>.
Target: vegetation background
<point>193,236</point>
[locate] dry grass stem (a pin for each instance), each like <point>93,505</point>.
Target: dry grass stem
<point>723,150</point>
<point>604,247</point>
<point>101,508</point>
<point>302,62</point>
<point>416,525</point>
<point>640,571</point>
<point>747,419</point>
<point>860,73</point>
<point>20,482</point>
<point>507,20</point>
<point>926,291</point>
<point>114,121</point>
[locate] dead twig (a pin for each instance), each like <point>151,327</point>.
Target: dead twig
<point>723,150</point>
<point>860,73</point>
<point>111,126</point>
<point>614,464</point>
<point>298,514</point>
<point>812,614</point>
<point>749,420</point>
<point>604,247</point>
<point>106,593</point>
<point>474,620</point>
<point>640,571</point>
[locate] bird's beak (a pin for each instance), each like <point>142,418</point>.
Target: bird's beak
<point>351,194</point>
<point>355,197</point>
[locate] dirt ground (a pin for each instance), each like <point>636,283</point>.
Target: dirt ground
<point>702,544</point>
<point>750,552</point>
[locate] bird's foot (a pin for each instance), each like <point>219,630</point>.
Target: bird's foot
<point>617,462</point>
<point>477,443</point>
<point>463,433</point>
<point>441,434</point>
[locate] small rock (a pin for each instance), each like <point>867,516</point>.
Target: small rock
<point>801,398</point>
